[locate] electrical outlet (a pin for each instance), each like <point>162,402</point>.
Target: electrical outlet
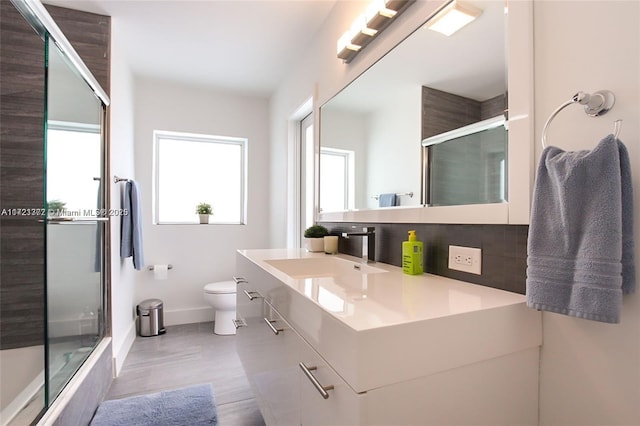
<point>465,259</point>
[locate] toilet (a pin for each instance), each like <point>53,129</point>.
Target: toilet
<point>222,297</point>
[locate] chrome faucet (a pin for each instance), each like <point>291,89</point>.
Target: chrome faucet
<point>368,242</point>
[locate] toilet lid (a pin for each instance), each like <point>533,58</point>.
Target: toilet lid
<point>220,287</point>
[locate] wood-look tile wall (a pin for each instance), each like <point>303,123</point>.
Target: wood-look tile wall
<point>442,111</point>
<point>504,249</point>
<point>90,35</point>
<point>22,100</point>
<point>22,103</point>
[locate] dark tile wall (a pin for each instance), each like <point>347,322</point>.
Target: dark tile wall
<point>90,35</point>
<point>21,181</point>
<point>504,249</point>
<point>442,111</point>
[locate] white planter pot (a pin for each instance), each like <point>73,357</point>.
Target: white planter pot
<point>204,218</point>
<point>315,244</point>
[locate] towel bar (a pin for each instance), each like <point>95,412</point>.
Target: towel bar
<point>410,194</point>
<point>595,105</point>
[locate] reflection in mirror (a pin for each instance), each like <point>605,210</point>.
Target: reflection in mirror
<point>468,165</point>
<point>381,118</point>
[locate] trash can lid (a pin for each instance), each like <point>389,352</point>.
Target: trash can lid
<point>150,304</point>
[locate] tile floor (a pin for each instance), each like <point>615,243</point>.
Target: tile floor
<point>187,355</point>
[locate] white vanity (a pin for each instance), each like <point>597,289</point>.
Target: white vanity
<point>329,340</point>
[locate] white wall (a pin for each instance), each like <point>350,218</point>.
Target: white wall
<point>199,253</point>
<point>590,372</point>
<point>394,149</point>
<point>121,149</point>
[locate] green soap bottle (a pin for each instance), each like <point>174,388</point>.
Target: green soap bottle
<point>412,257</point>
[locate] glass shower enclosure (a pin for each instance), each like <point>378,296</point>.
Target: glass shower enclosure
<point>74,219</point>
<point>68,223</point>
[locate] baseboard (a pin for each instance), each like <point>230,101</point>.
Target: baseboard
<point>188,316</point>
<point>122,352</point>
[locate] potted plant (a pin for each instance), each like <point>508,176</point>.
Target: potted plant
<point>314,237</point>
<point>55,208</point>
<point>204,210</point>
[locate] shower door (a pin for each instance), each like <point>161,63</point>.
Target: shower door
<point>75,220</point>
<point>53,230</point>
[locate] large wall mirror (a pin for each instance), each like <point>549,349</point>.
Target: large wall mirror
<point>422,136</point>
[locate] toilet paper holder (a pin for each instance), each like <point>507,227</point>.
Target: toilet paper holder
<point>169,266</point>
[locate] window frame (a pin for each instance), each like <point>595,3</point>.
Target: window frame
<point>202,138</point>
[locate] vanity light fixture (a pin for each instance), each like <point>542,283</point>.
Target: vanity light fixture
<point>452,17</point>
<point>368,25</point>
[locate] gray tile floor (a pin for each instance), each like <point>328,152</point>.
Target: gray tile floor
<point>187,355</point>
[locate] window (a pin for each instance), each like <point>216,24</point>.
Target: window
<point>337,179</point>
<point>72,185</point>
<point>191,169</point>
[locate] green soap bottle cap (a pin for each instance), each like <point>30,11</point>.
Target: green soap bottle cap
<point>412,235</point>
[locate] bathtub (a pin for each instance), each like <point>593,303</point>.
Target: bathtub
<point>21,378</point>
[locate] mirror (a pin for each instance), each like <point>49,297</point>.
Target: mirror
<point>371,132</point>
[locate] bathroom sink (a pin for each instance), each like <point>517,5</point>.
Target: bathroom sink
<point>316,267</point>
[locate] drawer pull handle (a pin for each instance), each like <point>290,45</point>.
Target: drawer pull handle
<point>240,280</point>
<point>251,294</point>
<point>322,389</point>
<point>276,331</point>
<point>239,323</point>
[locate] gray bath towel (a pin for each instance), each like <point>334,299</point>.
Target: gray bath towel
<point>131,226</point>
<point>388,200</point>
<point>580,248</point>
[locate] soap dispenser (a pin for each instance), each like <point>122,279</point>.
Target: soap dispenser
<point>412,257</point>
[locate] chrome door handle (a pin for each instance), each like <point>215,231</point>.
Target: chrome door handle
<point>251,294</point>
<point>269,322</point>
<point>240,280</point>
<point>316,384</point>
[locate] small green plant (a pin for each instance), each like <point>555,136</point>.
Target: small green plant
<point>204,208</point>
<point>316,231</point>
<point>56,206</point>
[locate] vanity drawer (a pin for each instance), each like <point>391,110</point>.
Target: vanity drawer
<point>267,348</point>
<point>340,404</point>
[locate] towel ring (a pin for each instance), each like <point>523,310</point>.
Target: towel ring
<point>595,105</point>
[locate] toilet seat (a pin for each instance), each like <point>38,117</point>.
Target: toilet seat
<point>222,287</point>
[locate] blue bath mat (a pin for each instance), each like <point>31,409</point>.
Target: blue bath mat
<point>194,405</point>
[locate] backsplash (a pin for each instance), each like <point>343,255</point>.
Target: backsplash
<point>504,249</point>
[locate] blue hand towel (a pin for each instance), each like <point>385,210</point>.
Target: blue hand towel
<point>387,200</point>
<point>580,245</point>
<point>131,226</point>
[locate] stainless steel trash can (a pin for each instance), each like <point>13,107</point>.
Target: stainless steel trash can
<point>150,318</point>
